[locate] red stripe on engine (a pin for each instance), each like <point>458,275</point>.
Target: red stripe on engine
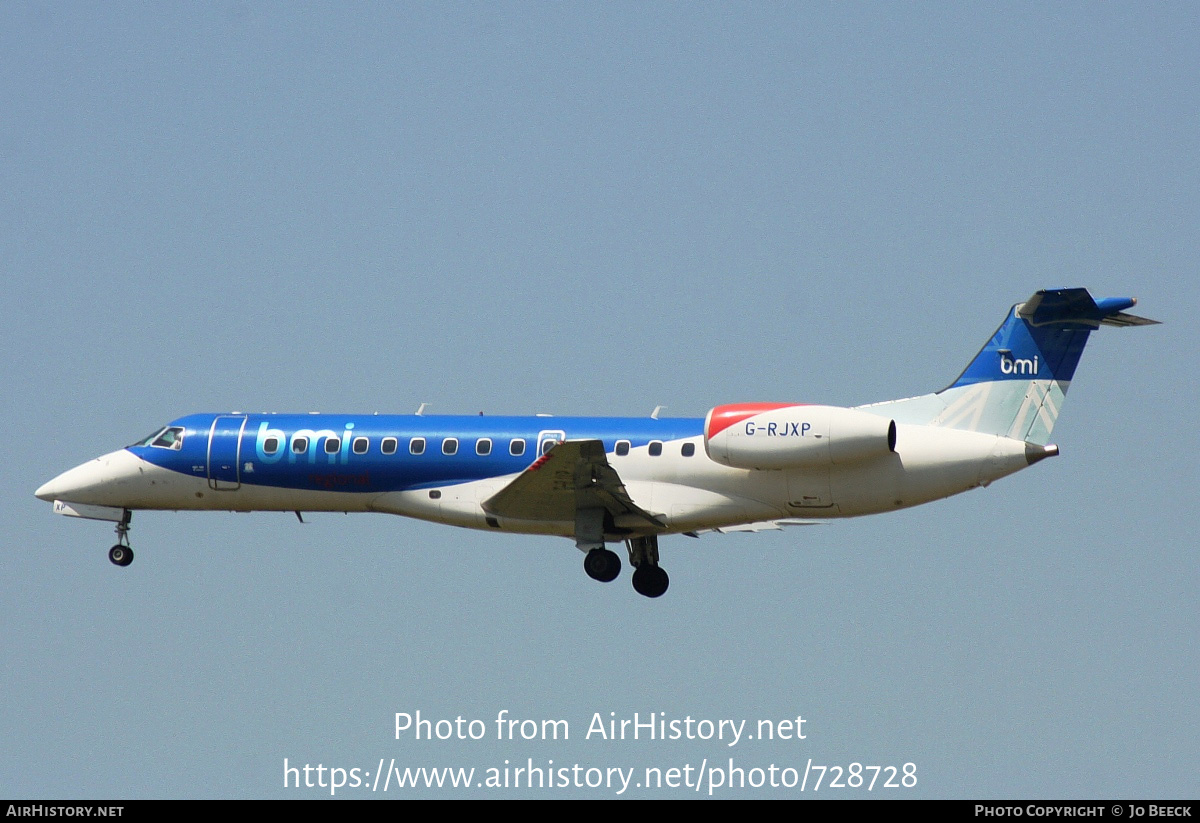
<point>722,417</point>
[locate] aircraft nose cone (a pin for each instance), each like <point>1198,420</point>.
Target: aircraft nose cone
<point>73,484</point>
<point>98,481</point>
<point>48,491</point>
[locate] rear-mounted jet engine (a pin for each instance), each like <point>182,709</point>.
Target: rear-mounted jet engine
<point>788,436</point>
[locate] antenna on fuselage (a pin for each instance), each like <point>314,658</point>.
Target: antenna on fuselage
<point>421,409</point>
<point>654,414</point>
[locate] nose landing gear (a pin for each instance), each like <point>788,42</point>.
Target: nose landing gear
<point>121,554</point>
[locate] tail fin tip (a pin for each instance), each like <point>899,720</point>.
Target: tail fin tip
<point>1077,307</point>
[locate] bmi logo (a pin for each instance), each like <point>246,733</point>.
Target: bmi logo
<point>1020,366</point>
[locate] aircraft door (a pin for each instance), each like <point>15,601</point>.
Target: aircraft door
<point>225,452</point>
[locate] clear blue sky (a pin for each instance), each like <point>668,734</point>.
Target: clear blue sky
<point>583,209</point>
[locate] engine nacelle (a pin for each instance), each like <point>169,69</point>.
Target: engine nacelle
<point>788,435</point>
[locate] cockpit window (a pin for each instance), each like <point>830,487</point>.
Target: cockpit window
<point>171,438</point>
<point>168,437</point>
<point>146,441</point>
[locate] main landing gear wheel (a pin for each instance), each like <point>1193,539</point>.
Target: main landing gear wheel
<point>602,565</point>
<point>650,581</point>
<point>120,555</point>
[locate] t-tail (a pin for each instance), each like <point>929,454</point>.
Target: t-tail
<point>1016,385</point>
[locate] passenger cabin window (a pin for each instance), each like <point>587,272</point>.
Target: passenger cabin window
<point>299,445</point>
<point>450,445</point>
<point>332,444</point>
<point>271,445</point>
<point>516,447</point>
<point>655,448</point>
<point>483,446</point>
<point>688,449</point>
<point>361,444</point>
<point>622,448</point>
<point>416,445</point>
<point>388,446</point>
<point>547,445</point>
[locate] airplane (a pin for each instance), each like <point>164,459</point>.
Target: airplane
<point>601,480</point>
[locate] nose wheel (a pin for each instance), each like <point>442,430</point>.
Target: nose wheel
<point>121,554</point>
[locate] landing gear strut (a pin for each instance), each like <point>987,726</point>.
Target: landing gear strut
<point>649,579</point>
<point>121,554</point>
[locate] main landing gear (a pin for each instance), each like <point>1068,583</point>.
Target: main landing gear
<point>649,579</point>
<point>121,554</point>
<point>602,565</point>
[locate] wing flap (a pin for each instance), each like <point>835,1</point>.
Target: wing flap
<point>762,525</point>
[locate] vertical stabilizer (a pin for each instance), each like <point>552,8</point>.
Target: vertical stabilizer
<point>1016,385</point>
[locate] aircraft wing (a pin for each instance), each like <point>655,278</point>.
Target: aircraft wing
<point>573,475</point>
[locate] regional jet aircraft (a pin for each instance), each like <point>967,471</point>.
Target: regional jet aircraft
<point>600,480</point>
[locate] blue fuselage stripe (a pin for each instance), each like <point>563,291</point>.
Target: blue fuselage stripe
<point>266,455</point>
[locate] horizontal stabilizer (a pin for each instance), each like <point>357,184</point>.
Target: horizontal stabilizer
<point>1121,319</point>
<point>1065,307</point>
